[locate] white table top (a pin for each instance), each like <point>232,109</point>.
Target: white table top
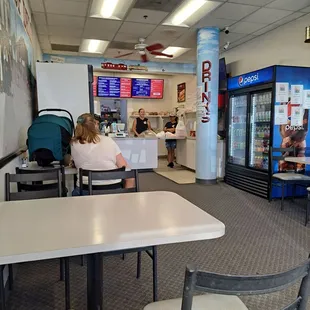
<point>58,227</point>
<point>34,166</point>
<point>298,160</point>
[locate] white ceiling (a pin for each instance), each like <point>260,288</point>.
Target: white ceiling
<point>66,22</point>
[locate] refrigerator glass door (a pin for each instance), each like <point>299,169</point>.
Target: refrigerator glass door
<point>260,130</point>
<point>237,130</point>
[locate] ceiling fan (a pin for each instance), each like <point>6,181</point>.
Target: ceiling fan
<point>143,48</point>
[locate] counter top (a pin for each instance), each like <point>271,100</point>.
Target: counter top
<point>135,138</point>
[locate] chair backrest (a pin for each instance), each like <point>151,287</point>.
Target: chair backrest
<point>247,285</point>
<point>36,186</point>
<point>116,174</point>
<point>278,154</point>
<point>33,177</point>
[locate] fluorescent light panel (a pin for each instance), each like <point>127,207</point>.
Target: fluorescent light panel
<point>110,9</point>
<point>173,50</point>
<point>93,46</point>
<point>190,12</point>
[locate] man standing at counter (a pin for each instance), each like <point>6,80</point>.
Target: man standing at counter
<point>171,144</point>
<point>141,123</point>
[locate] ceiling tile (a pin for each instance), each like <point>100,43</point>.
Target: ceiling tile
<point>265,29</point>
<point>267,16</point>
<point>64,20</point>
<point>39,18</point>
<point>125,37</point>
<point>292,5</point>
<point>66,7</point>
<point>252,2</point>
<point>36,6</point>
<point>153,17</point>
<point>137,29</point>
<point>43,39</point>
<point>188,39</point>
<point>289,18</point>
<point>112,53</point>
<point>101,29</point>
<point>65,40</point>
<point>231,37</point>
<point>210,21</point>
<point>233,11</point>
<point>42,29</point>
<point>164,6</point>
<point>246,27</point>
<point>306,10</point>
<point>65,31</point>
<point>168,32</point>
<point>241,41</point>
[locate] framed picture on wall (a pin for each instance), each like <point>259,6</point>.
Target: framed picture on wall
<point>181,91</point>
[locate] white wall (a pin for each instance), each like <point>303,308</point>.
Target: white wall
<point>282,46</point>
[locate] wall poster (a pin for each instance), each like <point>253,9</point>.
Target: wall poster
<point>181,91</point>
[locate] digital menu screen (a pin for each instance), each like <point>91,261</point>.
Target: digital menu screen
<point>147,88</point>
<point>109,86</point>
<point>114,87</point>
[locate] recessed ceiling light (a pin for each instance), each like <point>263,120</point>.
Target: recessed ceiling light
<point>190,12</point>
<point>93,46</point>
<point>110,9</point>
<point>173,50</point>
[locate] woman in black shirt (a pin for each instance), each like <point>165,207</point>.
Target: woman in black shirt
<point>141,123</point>
<point>171,144</point>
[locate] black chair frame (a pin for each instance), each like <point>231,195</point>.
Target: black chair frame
<point>247,285</point>
<point>119,174</point>
<point>38,190</point>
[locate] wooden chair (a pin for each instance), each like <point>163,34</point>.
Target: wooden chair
<point>223,287</point>
<point>37,190</point>
<point>285,178</point>
<point>119,174</point>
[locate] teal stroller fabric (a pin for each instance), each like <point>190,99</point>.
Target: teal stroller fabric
<point>49,138</point>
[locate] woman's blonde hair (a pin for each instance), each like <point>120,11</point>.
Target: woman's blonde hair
<point>86,130</point>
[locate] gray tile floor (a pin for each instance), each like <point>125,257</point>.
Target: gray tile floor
<point>259,239</point>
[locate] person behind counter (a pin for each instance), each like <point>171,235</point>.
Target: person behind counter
<point>141,123</point>
<point>92,151</point>
<point>171,144</point>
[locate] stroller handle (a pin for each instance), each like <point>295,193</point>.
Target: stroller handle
<point>59,110</point>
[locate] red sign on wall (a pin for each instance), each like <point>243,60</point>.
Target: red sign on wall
<point>109,65</point>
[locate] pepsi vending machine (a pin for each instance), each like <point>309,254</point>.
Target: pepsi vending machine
<point>267,107</point>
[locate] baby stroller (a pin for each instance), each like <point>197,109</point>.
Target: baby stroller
<point>49,137</point>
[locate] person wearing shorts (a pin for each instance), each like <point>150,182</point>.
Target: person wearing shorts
<point>171,144</point>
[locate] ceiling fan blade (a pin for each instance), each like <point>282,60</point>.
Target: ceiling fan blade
<point>153,47</point>
<point>144,58</point>
<point>161,54</point>
<point>119,56</point>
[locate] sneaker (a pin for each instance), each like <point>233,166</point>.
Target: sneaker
<point>171,165</point>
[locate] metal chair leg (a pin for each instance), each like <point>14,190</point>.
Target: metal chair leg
<point>138,265</point>
<point>82,260</point>
<point>123,256</point>
<point>2,294</point>
<point>154,273</point>
<point>61,269</point>
<point>10,279</point>
<point>67,284</point>
<point>282,198</point>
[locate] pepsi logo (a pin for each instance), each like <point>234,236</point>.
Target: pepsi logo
<point>240,80</point>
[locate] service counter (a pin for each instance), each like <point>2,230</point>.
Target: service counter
<point>140,153</point>
<point>186,155</point>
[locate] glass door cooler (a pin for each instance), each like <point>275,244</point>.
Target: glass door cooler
<point>259,142</point>
<point>237,130</point>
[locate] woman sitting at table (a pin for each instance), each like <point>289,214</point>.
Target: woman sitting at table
<point>141,124</point>
<point>92,151</point>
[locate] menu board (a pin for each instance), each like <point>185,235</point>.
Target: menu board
<point>109,86</point>
<point>115,87</point>
<point>147,88</point>
<point>95,83</point>
<point>125,88</point>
